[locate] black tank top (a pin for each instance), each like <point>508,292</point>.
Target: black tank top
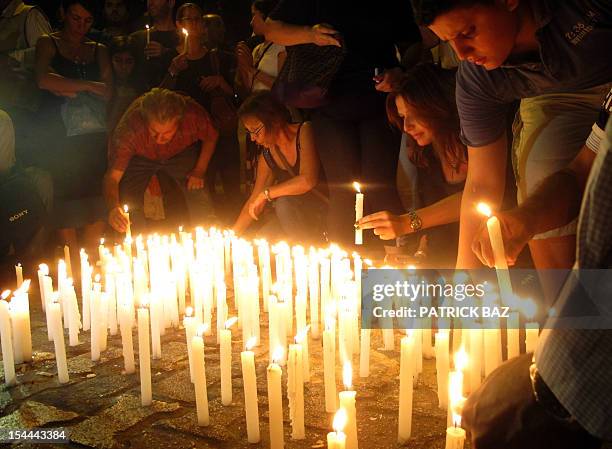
<point>280,174</point>
<point>89,71</point>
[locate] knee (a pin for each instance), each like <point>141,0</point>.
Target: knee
<point>43,182</point>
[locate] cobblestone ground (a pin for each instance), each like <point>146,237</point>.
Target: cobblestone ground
<point>100,406</point>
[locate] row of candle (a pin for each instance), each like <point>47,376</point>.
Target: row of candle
<point>171,256</point>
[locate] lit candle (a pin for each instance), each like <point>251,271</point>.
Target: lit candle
<point>337,438</point>
<point>295,391</point>
<point>406,387</point>
<point>43,272</point>
<point>199,376</point>
<point>442,367</point>
<point>20,321</point>
<point>249,383</point>
<point>186,45</point>
<point>455,435</point>
<point>275,401</point>
<point>225,350</point>
<point>499,254</point>
<point>144,355</point>
<point>128,230</point>
<point>58,339</point>
<point>532,328</point>
<point>475,366</point>
<point>329,364</point>
<point>148,28</point>
<point>347,402</point>
<point>6,336</point>
<point>19,275</point>
<point>358,213</point>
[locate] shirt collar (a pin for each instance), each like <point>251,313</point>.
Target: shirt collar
<point>13,8</point>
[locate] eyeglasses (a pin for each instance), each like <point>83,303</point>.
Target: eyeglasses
<point>254,132</point>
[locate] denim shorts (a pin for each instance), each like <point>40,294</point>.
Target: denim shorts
<point>549,131</point>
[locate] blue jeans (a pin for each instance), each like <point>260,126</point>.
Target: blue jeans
<point>300,217</point>
<point>140,171</point>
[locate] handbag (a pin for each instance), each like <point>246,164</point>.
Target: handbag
<point>83,114</point>
<point>308,71</point>
<point>222,107</point>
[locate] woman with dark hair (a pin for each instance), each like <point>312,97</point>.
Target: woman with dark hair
<point>424,108</point>
<point>207,76</point>
<point>287,169</point>
<point>76,72</point>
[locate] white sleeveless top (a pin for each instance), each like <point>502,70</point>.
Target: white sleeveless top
<point>267,55</point>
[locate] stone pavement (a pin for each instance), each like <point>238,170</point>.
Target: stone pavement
<point>100,406</point>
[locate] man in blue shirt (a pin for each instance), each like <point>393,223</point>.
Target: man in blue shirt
<point>554,57</point>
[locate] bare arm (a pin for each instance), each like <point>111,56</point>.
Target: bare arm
<point>265,177</point>
<point>116,217</point>
<point>486,179</point>
<point>287,34</point>
<point>206,152</point>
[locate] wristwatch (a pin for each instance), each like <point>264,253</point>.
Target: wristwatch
<point>415,221</point>
<point>266,193</point>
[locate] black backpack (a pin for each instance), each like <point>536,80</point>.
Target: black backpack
<point>22,212</point>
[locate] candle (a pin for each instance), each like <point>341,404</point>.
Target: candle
<point>532,328</point>
<point>19,275</point>
<point>442,367</point>
<point>364,353</point>
<point>125,323</point>
<point>329,365</point>
<point>499,254</point>
<point>249,383</point>
<point>225,350</point>
<point>199,376</point>
<point>148,28</point>
<point>128,230</point>
<point>6,336</point>
<point>58,339</point>
<point>144,355</point>
<point>358,213</point>
<point>295,391</point>
<point>337,438</point>
<point>275,401</point>
<point>347,402</point>
<point>20,321</point>
<point>406,387</point>
<point>96,324</point>
<point>68,261</point>
<point>186,45</point>
<point>513,343</point>
<point>189,324</point>
<point>475,366</point>
<point>302,339</point>
<point>455,435</point>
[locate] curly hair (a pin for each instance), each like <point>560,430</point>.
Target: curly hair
<point>265,107</point>
<point>162,105</point>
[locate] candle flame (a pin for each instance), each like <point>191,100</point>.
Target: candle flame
<point>229,323</point>
<point>97,278</point>
<point>188,311</point>
<point>147,26</point>
<point>202,328</point>
<point>102,241</point>
<point>5,294</point>
<point>368,262</point>
<point>340,420</point>
<point>277,355</point>
<point>461,359</point>
<point>484,209</point>
<point>185,32</point>
<point>44,269</point>
<point>455,392</point>
<point>347,375</point>
<point>251,342</point>
<point>357,187</point>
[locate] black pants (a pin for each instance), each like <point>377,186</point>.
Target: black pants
<point>140,171</point>
<point>356,143</point>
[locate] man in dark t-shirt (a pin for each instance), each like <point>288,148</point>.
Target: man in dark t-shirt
<point>553,56</point>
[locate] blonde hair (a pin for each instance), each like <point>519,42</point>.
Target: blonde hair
<point>162,105</point>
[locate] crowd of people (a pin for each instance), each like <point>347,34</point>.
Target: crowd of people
<point>433,106</point>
